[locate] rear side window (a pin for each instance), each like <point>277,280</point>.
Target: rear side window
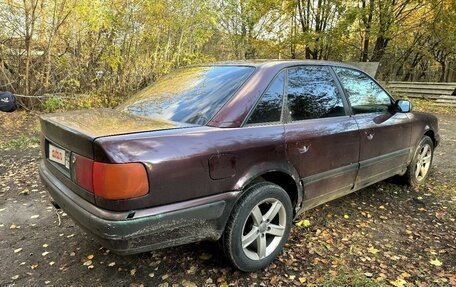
<point>364,94</point>
<point>269,108</point>
<point>313,94</point>
<point>193,95</point>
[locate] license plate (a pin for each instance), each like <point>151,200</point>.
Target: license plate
<point>59,155</point>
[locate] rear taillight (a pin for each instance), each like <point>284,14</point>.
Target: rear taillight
<point>111,181</point>
<point>83,170</point>
<point>119,181</point>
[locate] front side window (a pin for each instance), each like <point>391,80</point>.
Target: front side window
<point>312,93</point>
<point>191,95</point>
<point>269,108</point>
<point>364,95</point>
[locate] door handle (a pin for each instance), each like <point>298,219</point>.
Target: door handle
<point>304,148</point>
<point>369,134</point>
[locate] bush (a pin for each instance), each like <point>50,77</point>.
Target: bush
<point>55,104</point>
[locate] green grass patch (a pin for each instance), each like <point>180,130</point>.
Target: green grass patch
<point>351,278</point>
<point>21,142</point>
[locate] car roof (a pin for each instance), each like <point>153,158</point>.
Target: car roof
<point>282,63</point>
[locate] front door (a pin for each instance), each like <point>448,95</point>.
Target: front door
<point>384,133</point>
<point>322,141</point>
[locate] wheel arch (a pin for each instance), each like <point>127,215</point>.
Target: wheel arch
<point>288,179</point>
<point>430,133</point>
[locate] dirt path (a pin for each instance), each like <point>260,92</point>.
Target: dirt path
<point>384,235</point>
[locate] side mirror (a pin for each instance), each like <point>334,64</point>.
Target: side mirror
<point>403,106</point>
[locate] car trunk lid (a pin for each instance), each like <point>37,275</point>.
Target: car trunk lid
<point>76,130</point>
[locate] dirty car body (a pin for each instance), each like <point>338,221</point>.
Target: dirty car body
<point>298,124</point>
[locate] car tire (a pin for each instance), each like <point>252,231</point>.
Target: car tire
<point>258,227</point>
<point>420,166</point>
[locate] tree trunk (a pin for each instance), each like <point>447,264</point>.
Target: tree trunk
<point>379,48</point>
<point>443,72</point>
<point>415,62</point>
<point>30,18</point>
<point>368,24</point>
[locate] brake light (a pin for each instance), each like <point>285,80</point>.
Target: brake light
<point>111,181</point>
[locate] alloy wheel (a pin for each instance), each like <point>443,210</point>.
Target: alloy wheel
<point>423,162</point>
<point>263,229</point>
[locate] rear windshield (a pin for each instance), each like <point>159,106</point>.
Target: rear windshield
<point>191,95</point>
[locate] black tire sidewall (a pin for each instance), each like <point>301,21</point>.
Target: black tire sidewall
<point>241,212</point>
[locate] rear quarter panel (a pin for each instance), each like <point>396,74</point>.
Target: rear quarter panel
<point>179,162</point>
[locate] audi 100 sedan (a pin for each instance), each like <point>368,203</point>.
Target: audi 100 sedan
<point>230,152</point>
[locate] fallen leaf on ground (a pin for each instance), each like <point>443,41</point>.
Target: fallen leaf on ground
<point>372,250</point>
<point>436,262</point>
<point>87,263</point>
<point>186,283</point>
<point>303,223</point>
<point>398,282</point>
<point>192,270</point>
<point>405,274</point>
<point>205,256</point>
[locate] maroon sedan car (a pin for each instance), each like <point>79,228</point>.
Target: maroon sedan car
<point>230,152</point>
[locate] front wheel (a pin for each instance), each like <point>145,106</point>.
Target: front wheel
<point>258,227</point>
<point>418,170</point>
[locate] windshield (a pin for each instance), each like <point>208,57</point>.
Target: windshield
<point>191,95</point>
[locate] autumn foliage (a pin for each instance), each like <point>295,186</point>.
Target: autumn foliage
<point>101,51</point>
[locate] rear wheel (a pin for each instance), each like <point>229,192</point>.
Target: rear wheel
<point>258,227</point>
<point>418,170</point>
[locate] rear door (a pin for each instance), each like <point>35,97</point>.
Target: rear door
<point>322,139</point>
<point>384,133</point>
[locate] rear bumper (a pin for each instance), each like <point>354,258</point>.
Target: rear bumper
<point>147,229</point>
